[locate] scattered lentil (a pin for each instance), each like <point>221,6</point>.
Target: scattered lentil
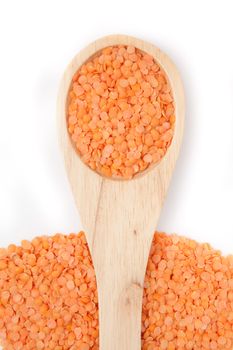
<point>120,102</point>
<point>187,302</point>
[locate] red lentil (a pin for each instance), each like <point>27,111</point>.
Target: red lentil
<point>120,112</point>
<point>52,303</point>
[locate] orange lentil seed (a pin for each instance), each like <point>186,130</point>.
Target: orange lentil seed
<point>187,301</point>
<point>120,98</point>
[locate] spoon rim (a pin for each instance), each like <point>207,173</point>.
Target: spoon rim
<point>165,63</point>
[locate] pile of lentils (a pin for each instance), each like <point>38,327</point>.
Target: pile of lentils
<point>48,296</point>
<point>120,112</point>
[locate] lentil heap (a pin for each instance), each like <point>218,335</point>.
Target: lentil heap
<point>48,297</point>
<point>121,112</point>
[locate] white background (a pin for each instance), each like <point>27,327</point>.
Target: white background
<point>37,41</point>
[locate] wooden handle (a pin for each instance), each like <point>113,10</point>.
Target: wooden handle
<point>120,276</point>
<point>120,217</point>
<point>120,247</point>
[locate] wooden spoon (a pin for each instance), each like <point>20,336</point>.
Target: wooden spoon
<point>119,216</point>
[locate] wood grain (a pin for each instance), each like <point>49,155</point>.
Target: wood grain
<point>120,217</point>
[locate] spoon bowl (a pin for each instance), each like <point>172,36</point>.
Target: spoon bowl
<point>120,216</point>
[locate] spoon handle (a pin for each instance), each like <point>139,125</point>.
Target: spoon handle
<point>120,246</point>
<point>120,314</point>
<point>120,289</point>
